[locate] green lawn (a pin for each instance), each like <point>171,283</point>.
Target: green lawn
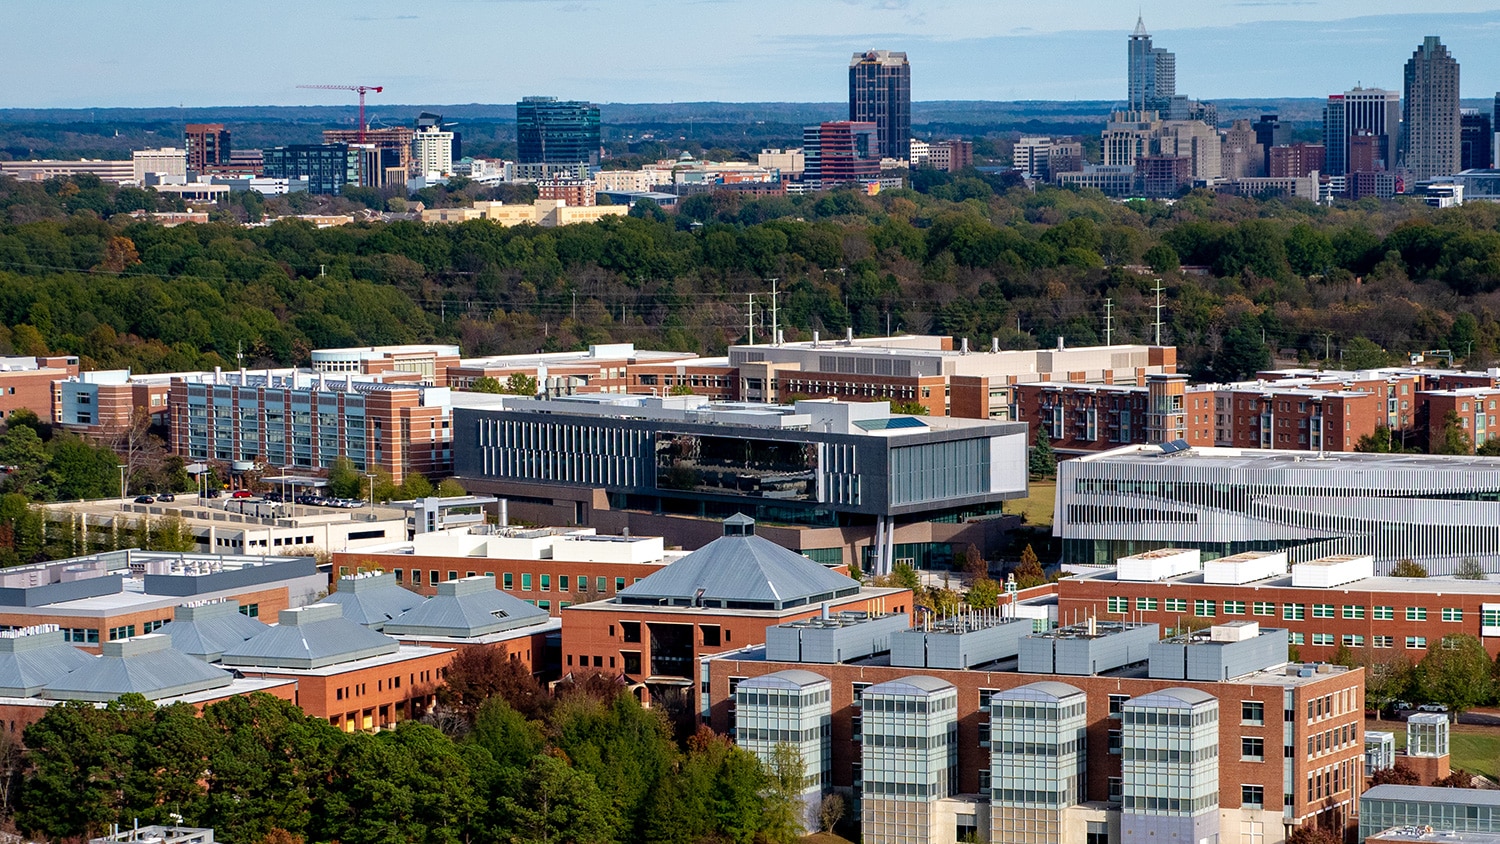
<point>1037,507</point>
<point>1475,749</point>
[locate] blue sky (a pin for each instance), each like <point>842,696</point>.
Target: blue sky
<point>80,53</point>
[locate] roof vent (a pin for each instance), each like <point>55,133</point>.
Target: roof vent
<point>739,525</point>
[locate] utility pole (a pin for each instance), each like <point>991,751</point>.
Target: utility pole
<point>1109,321</point>
<point>575,305</point>
<point>750,318</point>
<point>1158,290</point>
<point>775,325</point>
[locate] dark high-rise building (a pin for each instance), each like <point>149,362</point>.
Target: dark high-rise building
<point>207,146</point>
<point>1476,140</point>
<point>555,132</point>
<point>1269,132</point>
<point>326,166</point>
<point>1152,73</point>
<point>880,93</point>
<point>1430,129</point>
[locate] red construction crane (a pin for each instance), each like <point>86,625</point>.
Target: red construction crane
<point>361,89</point>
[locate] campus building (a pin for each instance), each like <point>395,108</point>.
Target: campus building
<point>1325,604</point>
<point>719,598</point>
<point>852,482</point>
<point>307,421</point>
<point>976,726</point>
<point>105,597</point>
<point>1435,510</point>
<point>429,363</point>
<point>942,374</point>
<point>1445,810</point>
<point>31,383</point>
<point>550,568</point>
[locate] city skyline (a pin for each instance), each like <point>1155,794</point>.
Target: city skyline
<point>791,54</point>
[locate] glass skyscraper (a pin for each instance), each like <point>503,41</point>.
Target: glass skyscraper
<point>556,132</point>
<point>880,93</point>
<point>1153,73</point>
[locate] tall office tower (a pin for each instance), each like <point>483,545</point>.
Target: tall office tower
<point>1269,132</point>
<point>1431,112</point>
<point>880,93</point>
<point>1038,750</point>
<point>910,746</point>
<point>1152,71</point>
<point>1476,139</point>
<point>1170,766</point>
<point>789,708</point>
<point>557,133</point>
<point>1371,111</point>
<point>207,145</point>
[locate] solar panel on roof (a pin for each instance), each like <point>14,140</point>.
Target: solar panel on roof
<point>1174,447</point>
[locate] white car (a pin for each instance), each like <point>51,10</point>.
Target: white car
<point>1432,707</point>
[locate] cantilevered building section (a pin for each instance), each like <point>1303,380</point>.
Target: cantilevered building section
<point>1435,510</point>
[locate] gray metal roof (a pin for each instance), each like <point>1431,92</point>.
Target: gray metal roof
<point>792,678</point>
<point>467,608</point>
<point>1433,794</point>
<point>1047,690</point>
<point>1172,698</point>
<point>373,598</point>
<point>207,630</point>
<point>30,659</point>
<point>917,684</point>
<point>309,637</point>
<point>744,572</point>
<point>146,665</point>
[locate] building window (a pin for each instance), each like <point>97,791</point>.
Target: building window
<point>1351,640</point>
<point>1353,611</point>
<point>984,781</point>
<point>1205,609</point>
<point>1252,796</point>
<point>1453,614</point>
<point>1295,639</point>
<point>1263,608</point>
<point>525,583</point>
<point>1322,610</point>
<point>619,583</point>
<point>1116,789</point>
<point>1234,607</point>
<point>546,583</point>
<point>1322,639</point>
<point>1117,705</point>
<point>1416,613</point>
<point>984,735</point>
<point>1293,612</point>
<point>1383,613</point>
<point>1416,643</point>
<point>985,696</point>
<point>252,610</point>
<point>1383,641</point>
<point>1145,605</point>
<point>1451,643</point>
<point>509,580</point>
<point>562,583</point>
<point>1252,712</point>
<point>1116,740</point>
<point>1252,749</point>
<point>1176,604</point>
<point>1117,604</point>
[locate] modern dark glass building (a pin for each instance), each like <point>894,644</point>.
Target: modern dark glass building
<point>557,132</point>
<point>880,93</point>
<point>326,166</point>
<point>1477,140</point>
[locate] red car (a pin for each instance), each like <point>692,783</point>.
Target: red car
<point>242,493</point>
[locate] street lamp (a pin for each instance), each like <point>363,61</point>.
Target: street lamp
<point>122,486</point>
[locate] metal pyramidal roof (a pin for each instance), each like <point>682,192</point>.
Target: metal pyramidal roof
<point>467,608</point>
<point>207,630</point>
<point>740,572</point>
<point>1140,28</point>
<point>314,636</point>
<point>146,665</point>
<point>33,657</point>
<point>372,598</point>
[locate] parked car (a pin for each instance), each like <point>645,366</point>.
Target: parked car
<point>166,496</point>
<point>213,493</point>
<point>1432,707</point>
<point>273,497</point>
<point>144,499</point>
<point>242,493</point>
